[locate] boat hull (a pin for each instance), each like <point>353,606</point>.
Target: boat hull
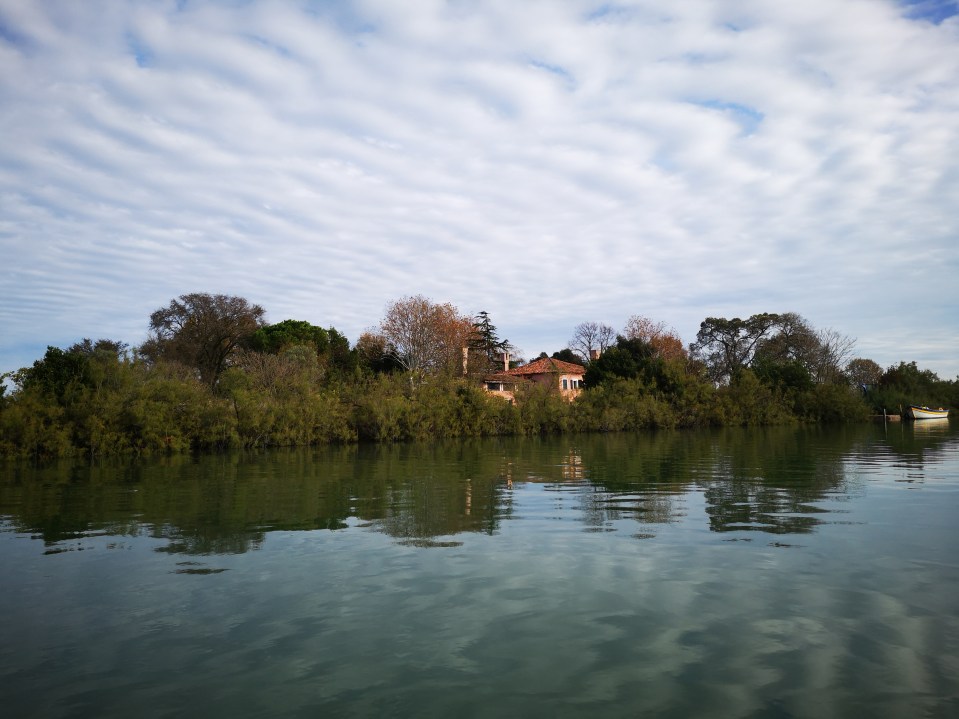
<point>927,413</point>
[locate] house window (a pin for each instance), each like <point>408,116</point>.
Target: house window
<point>565,383</point>
<point>494,386</point>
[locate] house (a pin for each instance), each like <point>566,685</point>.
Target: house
<point>564,376</point>
<point>503,384</point>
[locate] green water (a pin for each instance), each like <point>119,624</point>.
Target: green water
<point>737,573</point>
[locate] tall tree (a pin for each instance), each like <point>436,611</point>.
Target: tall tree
<point>727,346</point>
<point>484,340</point>
<point>202,331</point>
<point>823,354</point>
<point>591,336</point>
<point>426,337</point>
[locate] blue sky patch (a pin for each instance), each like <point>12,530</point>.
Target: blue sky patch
<point>748,118</point>
<point>560,72</point>
<point>934,11</point>
<point>141,53</point>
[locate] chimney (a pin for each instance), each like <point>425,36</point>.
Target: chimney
<point>466,360</point>
<point>505,356</point>
<point>593,355</point>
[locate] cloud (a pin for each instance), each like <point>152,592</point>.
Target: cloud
<point>549,164</point>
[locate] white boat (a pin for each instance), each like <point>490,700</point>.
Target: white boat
<point>926,412</point>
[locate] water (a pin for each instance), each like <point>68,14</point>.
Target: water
<point>736,573</point>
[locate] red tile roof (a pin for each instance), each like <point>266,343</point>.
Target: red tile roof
<point>548,365</point>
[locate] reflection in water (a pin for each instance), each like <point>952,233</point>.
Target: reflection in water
<point>770,480</point>
<point>781,572</point>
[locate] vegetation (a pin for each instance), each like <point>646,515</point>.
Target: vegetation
<point>214,375</point>
<point>485,345</point>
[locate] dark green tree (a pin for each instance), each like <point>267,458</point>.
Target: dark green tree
<point>567,355</point>
<point>627,359</point>
<point>277,337</point>
<point>727,346</point>
<point>55,373</point>
<point>484,339</point>
<point>330,345</point>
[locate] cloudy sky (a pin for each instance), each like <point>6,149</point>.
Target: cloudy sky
<point>550,162</point>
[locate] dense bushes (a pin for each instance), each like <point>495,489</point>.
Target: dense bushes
<point>102,401</point>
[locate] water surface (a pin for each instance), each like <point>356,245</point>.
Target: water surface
<point>734,573</point>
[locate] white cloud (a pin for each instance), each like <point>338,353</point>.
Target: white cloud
<point>550,163</point>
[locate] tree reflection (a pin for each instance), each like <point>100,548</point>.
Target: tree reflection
<point>772,481</point>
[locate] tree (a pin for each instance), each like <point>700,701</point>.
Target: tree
<point>727,346</point>
<point>627,359</point>
<point>101,348</point>
<point>591,336</point>
<point>661,337</point>
<point>822,353</point>
<point>485,341</point>
<point>85,364</point>
<point>55,373</point>
<point>567,355</point>
<point>330,347</point>
<point>373,353</point>
<point>833,350</point>
<point>425,337</point>
<point>277,337</point>
<point>794,341</point>
<point>202,331</point>
<point>863,373</point>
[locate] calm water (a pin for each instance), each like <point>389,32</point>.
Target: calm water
<point>763,573</point>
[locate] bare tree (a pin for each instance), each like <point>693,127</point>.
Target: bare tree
<point>590,336</point>
<point>425,337</point>
<point>833,354</point>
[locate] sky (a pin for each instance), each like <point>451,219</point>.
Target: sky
<point>549,162</point>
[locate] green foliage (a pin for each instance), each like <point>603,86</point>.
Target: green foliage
<point>331,347</point>
<point>567,355</point>
<point>627,359</point>
<point>905,384</point>
<point>55,373</point>
<point>485,340</point>
<point>619,404</point>
<point>276,337</point>
<point>541,409</point>
<point>291,388</point>
<point>202,332</point>
<point>747,401</point>
<point>831,403</point>
<point>790,376</point>
<point>727,346</point>
<point>32,427</point>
